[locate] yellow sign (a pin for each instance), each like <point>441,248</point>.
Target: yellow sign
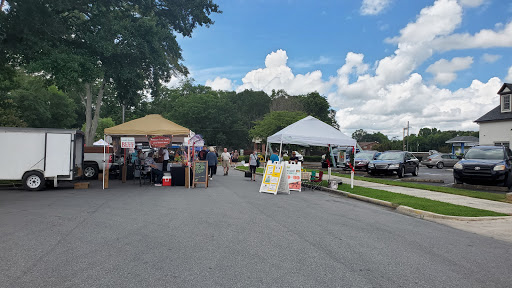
<point>272,179</point>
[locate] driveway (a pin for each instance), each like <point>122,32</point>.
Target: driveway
<point>230,235</point>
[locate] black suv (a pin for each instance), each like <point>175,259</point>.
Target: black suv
<point>400,162</point>
<point>485,164</point>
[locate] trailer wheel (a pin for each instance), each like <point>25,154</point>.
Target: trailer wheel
<point>90,171</point>
<point>33,181</point>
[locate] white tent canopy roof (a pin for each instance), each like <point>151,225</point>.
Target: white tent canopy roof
<point>311,132</point>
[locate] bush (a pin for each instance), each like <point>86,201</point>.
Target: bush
<point>312,158</point>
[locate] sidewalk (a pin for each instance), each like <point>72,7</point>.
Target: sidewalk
<point>484,204</point>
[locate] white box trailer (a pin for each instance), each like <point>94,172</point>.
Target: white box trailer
<point>36,156</point>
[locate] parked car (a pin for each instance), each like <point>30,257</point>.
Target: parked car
<point>399,162</point>
<point>485,164</point>
<point>362,159</point>
<point>440,160</point>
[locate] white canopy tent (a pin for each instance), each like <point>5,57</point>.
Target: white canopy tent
<point>311,132</point>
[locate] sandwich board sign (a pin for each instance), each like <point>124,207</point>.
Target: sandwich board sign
<point>294,176</point>
<point>200,173</point>
<point>274,179</point>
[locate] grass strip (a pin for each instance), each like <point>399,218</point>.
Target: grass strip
<point>246,168</point>
<point>418,202</point>
<point>449,190</point>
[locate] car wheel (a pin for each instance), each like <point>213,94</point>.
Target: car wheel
<point>90,171</point>
<point>401,172</point>
<point>430,166</point>
<point>440,165</point>
<point>458,181</point>
<point>416,171</point>
<point>33,181</point>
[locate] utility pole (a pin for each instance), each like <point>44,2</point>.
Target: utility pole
<point>405,144</point>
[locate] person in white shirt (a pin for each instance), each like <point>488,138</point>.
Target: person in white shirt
<point>226,161</point>
<point>166,159</point>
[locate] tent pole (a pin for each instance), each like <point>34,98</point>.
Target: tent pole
<point>280,149</point>
<point>329,167</point>
<point>266,152</point>
<point>352,170</point>
<point>103,178</point>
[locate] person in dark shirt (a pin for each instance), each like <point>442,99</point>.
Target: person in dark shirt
<point>294,158</point>
<point>202,154</point>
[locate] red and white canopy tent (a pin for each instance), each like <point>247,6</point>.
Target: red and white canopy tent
<point>310,131</point>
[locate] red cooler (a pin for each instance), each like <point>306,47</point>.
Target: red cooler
<point>166,181</point>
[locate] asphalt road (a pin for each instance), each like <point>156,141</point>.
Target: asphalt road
<point>229,235</point>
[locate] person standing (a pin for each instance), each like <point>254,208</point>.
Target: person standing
<point>252,165</point>
<point>226,161</point>
<point>202,154</point>
<point>274,157</point>
<point>166,159</point>
<point>234,159</point>
<point>211,157</point>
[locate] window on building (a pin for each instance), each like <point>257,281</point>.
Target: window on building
<point>505,143</point>
<point>505,103</point>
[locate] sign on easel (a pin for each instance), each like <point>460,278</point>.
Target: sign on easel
<point>294,176</point>
<point>274,179</point>
<point>200,173</point>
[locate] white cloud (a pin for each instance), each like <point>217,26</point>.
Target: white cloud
<point>471,3</point>
<point>222,84</point>
<point>396,93</point>
<point>508,78</point>
<point>485,38</point>
<point>444,70</point>
<point>385,94</point>
<point>373,7</point>
<point>490,58</point>
<point>277,75</point>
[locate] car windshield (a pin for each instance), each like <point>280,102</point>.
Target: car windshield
<point>485,153</point>
<point>364,156</point>
<point>390,156</point>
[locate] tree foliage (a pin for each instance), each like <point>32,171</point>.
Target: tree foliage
<point>273,122</point>
<point>87,45</point>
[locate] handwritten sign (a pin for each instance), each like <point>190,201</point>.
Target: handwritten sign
<point>200,173</point>
<point>127,142</point>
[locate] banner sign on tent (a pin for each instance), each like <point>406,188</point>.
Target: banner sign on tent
<point>127,142</point>
<point>159,141</point>
<point>274,179</point>
<point>294,176</point>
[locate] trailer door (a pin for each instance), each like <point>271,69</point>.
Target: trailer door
<point>58,160</point>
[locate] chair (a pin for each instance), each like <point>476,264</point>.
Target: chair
<point>316,181</point>
<point>142,172</point>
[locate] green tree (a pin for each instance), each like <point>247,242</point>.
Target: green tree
<point>86,45</point>
<point>103,123</point>
<point>273,122</point>
<point>359,135</point>
<point>41,106</point>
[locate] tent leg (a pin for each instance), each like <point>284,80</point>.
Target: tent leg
<point>104,158</point>
<point>280,149</point>
<point>266,152</point>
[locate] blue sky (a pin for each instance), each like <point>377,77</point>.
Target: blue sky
<point>380,63</point>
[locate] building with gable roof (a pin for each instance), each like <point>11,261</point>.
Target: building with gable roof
<point>496,125</point>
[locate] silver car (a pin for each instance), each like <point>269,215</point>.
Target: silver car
<point>440,160</point>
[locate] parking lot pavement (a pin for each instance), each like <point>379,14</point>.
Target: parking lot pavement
<point>229,235</point>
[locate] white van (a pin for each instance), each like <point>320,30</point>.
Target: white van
<point>37,156</point>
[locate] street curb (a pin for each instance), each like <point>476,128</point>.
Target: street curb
<point>405,210</point>
<point>422,180</point>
